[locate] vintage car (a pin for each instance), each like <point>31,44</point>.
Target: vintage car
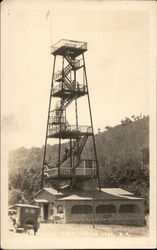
<point>26,217</point>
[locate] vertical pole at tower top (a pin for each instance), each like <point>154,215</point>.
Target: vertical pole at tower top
<point>90,112</point>
<point>44,156</point>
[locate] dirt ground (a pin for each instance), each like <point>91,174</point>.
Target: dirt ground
<point>85,230</point>
<point>77,236</point>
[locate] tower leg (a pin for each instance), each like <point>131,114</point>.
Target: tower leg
<point>59,154</point>
<point>44,156</point>
<point>90,112</point>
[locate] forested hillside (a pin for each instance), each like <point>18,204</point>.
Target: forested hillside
<point>123,156</point>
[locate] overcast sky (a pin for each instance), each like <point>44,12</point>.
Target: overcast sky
<point>117,62</point>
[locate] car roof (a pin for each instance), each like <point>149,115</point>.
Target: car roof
<point>26,205</point>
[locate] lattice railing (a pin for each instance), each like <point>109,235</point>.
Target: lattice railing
<point>70,128</point>
<point>69,44</point>
<point>78,87</point>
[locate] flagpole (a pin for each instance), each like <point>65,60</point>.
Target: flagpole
<point>48,15</point>
<point>50,28</point>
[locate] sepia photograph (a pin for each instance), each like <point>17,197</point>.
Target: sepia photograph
<point>78,124</point>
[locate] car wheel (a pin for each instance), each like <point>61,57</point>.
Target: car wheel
<point>35,231</point>
<point>15,229</point>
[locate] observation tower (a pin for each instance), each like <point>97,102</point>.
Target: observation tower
<point>69,84</point>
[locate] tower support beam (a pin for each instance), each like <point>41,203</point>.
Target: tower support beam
<point>90,112</point>
<point>48,116</point>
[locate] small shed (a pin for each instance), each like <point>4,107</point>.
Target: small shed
<point>46,200</point>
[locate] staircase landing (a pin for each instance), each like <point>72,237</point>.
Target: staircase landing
<point>72,132</point>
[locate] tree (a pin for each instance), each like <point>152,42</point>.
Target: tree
<point>16,196</point>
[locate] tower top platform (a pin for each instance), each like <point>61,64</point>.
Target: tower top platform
<point>71,47</point>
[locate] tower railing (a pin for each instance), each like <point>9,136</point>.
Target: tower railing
<point>65,87</point>
<point>56,119</point>
<point>70,44</point>
<point>70,128</point>
<point>85,168</point>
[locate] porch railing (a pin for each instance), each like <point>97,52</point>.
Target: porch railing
<point>86,168</point>
<point>65,172</point>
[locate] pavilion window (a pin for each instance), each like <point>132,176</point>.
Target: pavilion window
<point>129,208</point>
<point>101,209</point>
<point>81,209</point>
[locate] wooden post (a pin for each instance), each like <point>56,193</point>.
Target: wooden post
<point>93,207</point>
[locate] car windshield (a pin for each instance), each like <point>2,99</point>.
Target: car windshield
<point>29,210</point>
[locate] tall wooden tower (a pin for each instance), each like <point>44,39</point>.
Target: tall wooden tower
<point>66,89</point>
